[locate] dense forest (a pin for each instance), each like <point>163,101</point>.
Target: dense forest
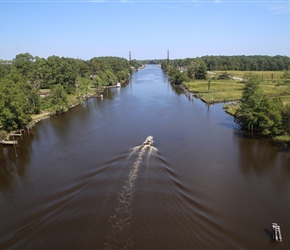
<point>31,84</point>
<point>243,63</point>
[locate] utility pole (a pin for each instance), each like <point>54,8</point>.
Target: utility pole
<point>208,86</point>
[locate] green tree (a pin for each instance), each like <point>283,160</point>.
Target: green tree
<point>177,77</point>
<point>136,64</point>
<point>24,64</point>
<point>201,72</point>
<point>286,118</point>
<point>121,75</point>
<point>3,135</point>
<point>164,66</point>
<point>13,105</point>
<point>84,68</point>
<point>61,71</point>
<point>246,62</point>
<point>34,101</point>
<point>39,67</point>
<point>83,86</point>
<point>5,67</point>
<point>258,111</point>
<point>58,99</point>
<point>107,77</point>
<point>286,74</point>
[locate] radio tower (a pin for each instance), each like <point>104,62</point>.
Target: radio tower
<point>130,57</point>
<point>168,56</point>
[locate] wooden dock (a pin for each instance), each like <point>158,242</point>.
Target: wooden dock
<point>8,142</point>
<point>277,236</point>
<point>16,135</point>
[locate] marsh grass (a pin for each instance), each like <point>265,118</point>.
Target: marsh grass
<point>265,75</point>
<point>231,108</point>
<point>220,90</point>
<point>231,90</point>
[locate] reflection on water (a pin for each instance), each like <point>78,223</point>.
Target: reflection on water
<point>14,160</point>
<point>79,181</point>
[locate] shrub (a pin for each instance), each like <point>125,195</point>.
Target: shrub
<point>3,135</point>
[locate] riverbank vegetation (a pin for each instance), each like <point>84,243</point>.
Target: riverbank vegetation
<point>184,70</point>
<point>261,113</point>
<point>34,87</point>
<point>260,100</point>
<point>218,88</point>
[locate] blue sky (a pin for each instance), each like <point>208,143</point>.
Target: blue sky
<point>86,29</point>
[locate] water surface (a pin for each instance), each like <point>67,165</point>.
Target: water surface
<point>83,180</point>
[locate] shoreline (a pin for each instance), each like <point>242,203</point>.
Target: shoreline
<point>35,118</point>
<point>282,139</point>
<point>96,94</point>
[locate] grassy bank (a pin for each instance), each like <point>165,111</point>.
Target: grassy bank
<point>231,89</point>
<point>265,75</point>
<point>231,108</point>
<point>47,111</point>
<point>72,101</point>
<point>218,91</point>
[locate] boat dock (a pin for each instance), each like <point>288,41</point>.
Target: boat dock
<point>16,135</point>
<point>8,142</point>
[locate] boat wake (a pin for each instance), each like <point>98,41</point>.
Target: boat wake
<point>122,218</point>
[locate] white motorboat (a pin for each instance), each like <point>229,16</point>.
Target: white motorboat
<point>149,141</point>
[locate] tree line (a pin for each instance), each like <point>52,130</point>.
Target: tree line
<point>24,78</point>
<point>246,63</point>
<point>184,70</point>
<point>239,62</point>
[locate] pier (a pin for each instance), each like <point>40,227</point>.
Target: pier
<point>8,142</point>
<point>16,135</point>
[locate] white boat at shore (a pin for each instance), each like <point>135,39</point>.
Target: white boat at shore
<point>118,85</point>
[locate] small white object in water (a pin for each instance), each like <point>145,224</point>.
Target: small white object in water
<point>149,140</point>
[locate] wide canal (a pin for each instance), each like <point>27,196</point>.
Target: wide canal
<point>84,179</point>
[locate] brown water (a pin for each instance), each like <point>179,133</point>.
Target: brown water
<point>83,180</point>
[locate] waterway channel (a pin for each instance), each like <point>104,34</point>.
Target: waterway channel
<point>84,179</point>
